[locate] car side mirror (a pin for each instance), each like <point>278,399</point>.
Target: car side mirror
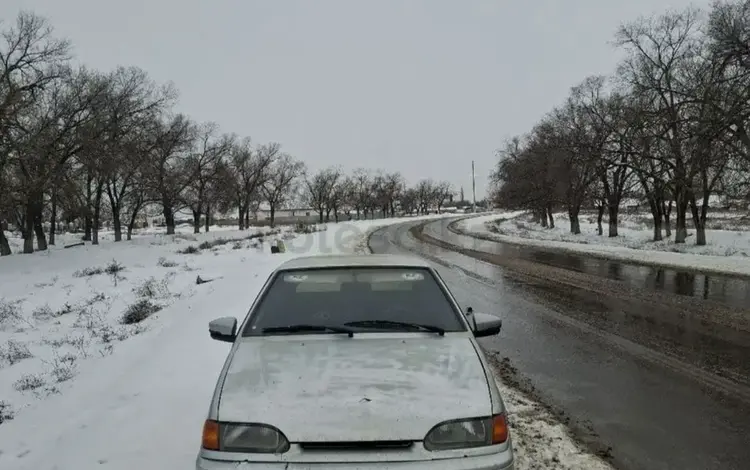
<point>470,318</point>
<point>486,325</point>
<point>223,329</point>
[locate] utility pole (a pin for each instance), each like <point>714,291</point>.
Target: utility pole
<point>473,189</point>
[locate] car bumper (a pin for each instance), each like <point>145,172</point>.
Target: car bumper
<point>501,461</point>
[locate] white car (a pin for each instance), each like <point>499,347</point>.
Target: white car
<point>356,362</point>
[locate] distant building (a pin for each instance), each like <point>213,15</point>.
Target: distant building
<point>299,213</point>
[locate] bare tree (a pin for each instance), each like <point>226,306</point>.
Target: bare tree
<point>204,164</point>
<point>338,196</point>
<point>250,170</point>
<point>319,189</point>
<point>134,101</point>
<point>409,201</point>
<point>30,59</point>
<point>361,191</point>
<point>167,172</point>
<point>279,186</point>
<point>443,193</point>
<point>660,49</point>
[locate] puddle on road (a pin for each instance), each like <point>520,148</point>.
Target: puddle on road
<point>728,290</point>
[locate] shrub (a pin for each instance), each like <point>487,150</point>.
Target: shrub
<point>87,272</point>
<point>9,312</point>
<point>14,352</point>
<point>139,311</point>
<point>165,263</point>
<point>114,268</point>
<point>64,368</point>
<point>151,288</point>
<point>28,382</point>
<point>6,413</point>
<point>43,313</point>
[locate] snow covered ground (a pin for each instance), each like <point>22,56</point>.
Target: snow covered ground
<point>82,388</point>
<point>727,251</point>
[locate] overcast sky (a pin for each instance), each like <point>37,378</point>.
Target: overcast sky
<point>417,86</point>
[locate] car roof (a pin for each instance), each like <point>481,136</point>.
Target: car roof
<point>345,261</point>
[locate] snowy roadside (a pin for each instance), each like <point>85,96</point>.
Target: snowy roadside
<point>61,308</point>
<point>727,251</point>
<point>540,441</point>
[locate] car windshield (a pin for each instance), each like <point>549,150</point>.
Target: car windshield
<point>359,299</point>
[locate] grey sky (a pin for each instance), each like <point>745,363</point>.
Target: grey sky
<point>418,86</point>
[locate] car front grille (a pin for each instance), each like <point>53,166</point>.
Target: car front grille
<point>356,445</point>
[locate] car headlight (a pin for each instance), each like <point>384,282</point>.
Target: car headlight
<point>466,433</point>
<point>246,438</point>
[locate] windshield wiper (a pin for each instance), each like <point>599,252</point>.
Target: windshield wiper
<point>389,324</point>
<point>308,328</point>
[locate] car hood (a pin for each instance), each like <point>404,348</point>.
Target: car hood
<point>369,387</point>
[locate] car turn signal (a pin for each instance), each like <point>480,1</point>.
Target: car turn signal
<point>499,429</point>
<point>211,435</point>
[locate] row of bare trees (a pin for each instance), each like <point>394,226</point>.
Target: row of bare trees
<point>671,126</point>
<point>369,194</point>
<point>79,146</point>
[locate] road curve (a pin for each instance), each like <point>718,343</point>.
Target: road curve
<point>616,394</point>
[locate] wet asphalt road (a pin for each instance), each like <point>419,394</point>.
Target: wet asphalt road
<point>733,291</point>
<point>654,411</point>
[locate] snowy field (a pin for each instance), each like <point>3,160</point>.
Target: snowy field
<point>106,362</point>
<point>727,251</point>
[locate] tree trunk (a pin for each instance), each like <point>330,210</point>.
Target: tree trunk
<point>666,212</point>
<point>657,216</point>
<point>599,217</point>
<point>543,218</point>
<point>699,219</point>
<point>53,216</point>
<point>247,217</point>
<point>272,207</point>
<point>116,224</point>
<point>168,217</point>
<point>320,216</point>
<point>131,225</point>
<point>196,221</point>
<point>575,224</point>
<point>87,214</point>
<point>4,244</point>
<point>549,215</point>
<point>28,230</point>
<point>614,214</point>
<point>681,205</point>
<point>95,226</point>
<point>681,223</point>
<point>131,222</point>
<point>38,206</point>
<point>97,213</point>
<point>41,239</point>
<point>208,217</point>
<point>241,213</point>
